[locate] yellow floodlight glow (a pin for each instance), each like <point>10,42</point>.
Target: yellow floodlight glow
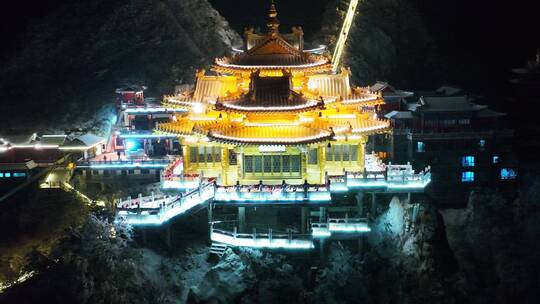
<point>198,108</point>
<point>343,35</point>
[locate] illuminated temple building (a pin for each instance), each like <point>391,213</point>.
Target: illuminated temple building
<point>274,112</point>
<point>276,137</point>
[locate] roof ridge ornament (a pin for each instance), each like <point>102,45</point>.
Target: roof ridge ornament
<point>273,22</point>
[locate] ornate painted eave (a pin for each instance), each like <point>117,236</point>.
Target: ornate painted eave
<point>260,135</point>
<point>231,107</point>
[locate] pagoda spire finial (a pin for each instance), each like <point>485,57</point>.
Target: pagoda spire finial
<point>273,22</point>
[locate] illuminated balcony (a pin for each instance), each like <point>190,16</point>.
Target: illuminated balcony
<point>152,211</point>
<point>125,164</point>
<point>152,110</point>
<point>287,194</point>
<point>344,227</point>
<point>145,135</point>
<point>396,178</point>
<point>267,240</point>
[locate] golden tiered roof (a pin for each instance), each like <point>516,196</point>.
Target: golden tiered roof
<point>282,107</point>
<point>273,52</point>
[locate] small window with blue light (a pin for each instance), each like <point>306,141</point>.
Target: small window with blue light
<point>482,144</point>
<point>507,173</point>
<point>1,174</point>
<point>495,159</point>
<point>467,161</point>
<point>19,174</point>
<point>7,174</point>
<point>467,176</point>
<point>420,147</point>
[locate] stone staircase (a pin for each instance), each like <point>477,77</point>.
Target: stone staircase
<point>218,248</point>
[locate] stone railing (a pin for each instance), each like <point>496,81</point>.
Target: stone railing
<point>273,193</point>
<point>171,207</point>
<point>268,240</point>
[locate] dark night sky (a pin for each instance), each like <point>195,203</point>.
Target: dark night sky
<point>484,36</point>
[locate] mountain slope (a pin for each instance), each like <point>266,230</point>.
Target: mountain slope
<point>75,57</point>
<point>388,41</point>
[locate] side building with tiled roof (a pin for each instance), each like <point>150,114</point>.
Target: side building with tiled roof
<point>465,143</point>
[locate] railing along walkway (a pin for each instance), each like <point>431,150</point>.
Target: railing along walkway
<point>169,207</point>
<point>269,240</point>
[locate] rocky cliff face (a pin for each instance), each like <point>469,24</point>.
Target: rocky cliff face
<point>74,58</point>
<point>495,243</point>
<point>388,42</point>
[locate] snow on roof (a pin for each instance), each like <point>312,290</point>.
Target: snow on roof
<point>380,86</point>
<point>399,115</point>
<point>89,140</point>
<point>487,113</point>
<point>17,139</point>
<point>53,139</point>
<point>389,91</point>
<point>130,88</point>
<point>448,90</point>
<point>445,104</point>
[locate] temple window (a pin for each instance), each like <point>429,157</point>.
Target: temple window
<point>420,146</point>
<point>205,154</point>
<point>286,163</point>
<point>345,152</point>
<point>312,156</point>
<point>193,154</point>
<point>467,161</point>
<point>233,161</point>
<point>248,164</point>
<point>271,164</point>
<point>267,163</point>
<point>467,176</point>
<point>276,163</point>
<point>217,154</point>
<point>258,164</point>
<point>447,122</point>
<point>337,152</point>
<point>201,157</point>
<point>507,173</point>
<point>354,152</point>
<point>329,156</point>
<point>295,163</point>
<point>495,159</point>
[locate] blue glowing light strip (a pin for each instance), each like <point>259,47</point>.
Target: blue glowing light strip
<point>233,197</point>
<point>348,227</point>
<point>158,219</point>
<point>123,166</point>
<point>320,232</point>
<point>179,184</point>
<point>142,136</point>
<point>154,110</point>
<point>275,243</point>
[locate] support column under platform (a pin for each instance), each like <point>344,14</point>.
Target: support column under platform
<point>304,224</point>
<point>242,219</point>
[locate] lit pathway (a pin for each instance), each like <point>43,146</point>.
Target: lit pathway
<point>159,212</point>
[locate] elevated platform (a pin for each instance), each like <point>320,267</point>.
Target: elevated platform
<point>125,164</point>
<point>395,179</point>
<point>146,135</point>
<point>152,110</point>
<point>272,194</point>
<point>340,228</point>
<point>267,240</point>
<point>163,210</point>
